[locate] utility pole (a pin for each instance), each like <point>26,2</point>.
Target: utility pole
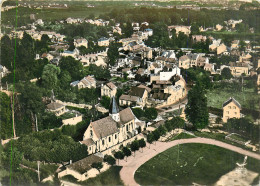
<point>36,123</point>
<point>38,171</point>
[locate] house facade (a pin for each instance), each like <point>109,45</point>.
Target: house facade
<point>103,41</point>
<point>81,42</point>
<point>231,109</point>
<point>108,90</point>
<point>237,69</point>
<point>86,82</point>
<point>137,96</point>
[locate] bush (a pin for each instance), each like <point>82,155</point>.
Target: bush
<point>134,146</point>
<point>119,155</point>
<point>97,165</point>
<point>150,113</point>
<point>142,143</point>
<point>105,102</point>
<point>109,159</point>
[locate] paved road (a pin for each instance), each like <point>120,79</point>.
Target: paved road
<point>133,163</point>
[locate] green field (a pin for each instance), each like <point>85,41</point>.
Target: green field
<point>189,163</point>
<point>109,177</point>
<point>248,98</point>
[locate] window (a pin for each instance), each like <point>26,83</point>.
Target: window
<point>89,148</point>
<point>91,133</point>
<point>126,128</point>
<point>234,107</point>
<point>229,107</point>
<point>109,139</point>
<point>235,113</point>
<point>227,112</point>
<point>115,136</point>
<point>103,142</point>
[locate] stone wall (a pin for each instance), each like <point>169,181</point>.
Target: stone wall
<point>74,104</point>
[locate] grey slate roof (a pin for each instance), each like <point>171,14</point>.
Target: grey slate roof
<point>84,165</point>
<point>113,108</point>
<point>128,98</point>
<point>126,115</point>
<point>105,127</point>
<point>231,99</point>
<point>137,91</point>
<point>88,142</point>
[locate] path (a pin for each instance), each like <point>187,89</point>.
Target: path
<point>133,163</point>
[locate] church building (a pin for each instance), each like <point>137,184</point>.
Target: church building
<point>111,130</point>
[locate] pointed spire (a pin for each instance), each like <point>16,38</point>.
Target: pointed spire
<point>113,108</point>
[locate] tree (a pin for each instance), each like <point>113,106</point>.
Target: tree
<point>218,120</point>
<point>151,113</point>
<point>178,122</point>
<point>126,152</point>
<point>5,115</point>
<point>14,155</point>
<point>109,159</point>
<point>119,155</point>
<point>71,45</point>
<point>74,67</point>
<point>112,53</point>
<point>138,112</point>
<point>45,38</point>
<point>196,109</point>
<point>50,76</point>
<point>97,165</point>
<point>105,101</point>
<point>162,130</point>
<point>195,29</point>
<point>226,73</point>
<point>150,138</point>
<point>242,46</point>
<point>134,146</point>
<point>142,143</point>
<point>156,134</point>
<point>65,79</point>
<point>127,29</point>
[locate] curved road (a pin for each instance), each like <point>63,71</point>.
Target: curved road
<point>133,163</point>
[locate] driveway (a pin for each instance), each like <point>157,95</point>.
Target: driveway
<point>133,163</point>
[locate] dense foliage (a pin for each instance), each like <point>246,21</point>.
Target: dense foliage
<point>196,109</point>
<point>244,127</point>
<point>48,146</point>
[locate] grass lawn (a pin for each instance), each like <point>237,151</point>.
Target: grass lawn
<point>109,177</point>
<point>217,97</point>
<point>238,138</point>
<point>188,163</point>
<point>181,136</point>
<point>46,169</point>
<point>67,115</point>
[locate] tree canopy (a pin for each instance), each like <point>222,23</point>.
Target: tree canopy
<point>196,109</point>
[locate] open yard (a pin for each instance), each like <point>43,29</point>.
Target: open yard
<point>191,163</point>
<point>248,98</point>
